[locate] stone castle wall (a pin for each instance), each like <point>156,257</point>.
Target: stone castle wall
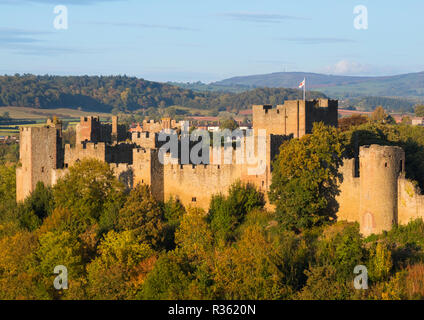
<point>410,201</point>
<point>373,192</point>
<point>39,155</point>
<point>194,185</point>
<point>295,117</point>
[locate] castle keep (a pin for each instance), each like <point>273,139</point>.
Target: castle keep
<point>374,191</point>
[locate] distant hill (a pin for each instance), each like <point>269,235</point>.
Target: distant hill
<point>390,104</point>
<point>203,87</point>
<point>121,93</point>
<point>407,85</point>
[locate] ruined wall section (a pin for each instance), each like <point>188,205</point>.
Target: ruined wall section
<point>410,201</point>
<point>349,196</point>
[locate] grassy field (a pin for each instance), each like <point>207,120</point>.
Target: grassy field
<point>192,111</point>
<point>33,114</point>
<point>39,116</point>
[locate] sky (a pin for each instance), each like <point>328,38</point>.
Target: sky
<point>210,40</point>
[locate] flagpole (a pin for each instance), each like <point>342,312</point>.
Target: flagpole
<point>304,90</point>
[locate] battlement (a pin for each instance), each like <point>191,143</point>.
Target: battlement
<point>120,166</point>
<point>89,146</point>
<point>295,117</point>
<point>379,151</point>
<point>90,119</point>
<point>200,168</point>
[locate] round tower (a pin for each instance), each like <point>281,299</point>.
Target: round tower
<point>380,167</point>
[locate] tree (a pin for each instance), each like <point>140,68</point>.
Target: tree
<point>120,269</point>
<point>229,124</point>
<point>173,212</point>
<point>250,270</point>
<point>305,180</point>
<point>419,110</point>
<point>170,279</point>
<point>352,121</point>
<point>322,284</point>
<point>20,276</point>
<point>9,222</point>
<point>226,213</point>
<point>143,215</point>
<point>379,115</point>
<point>60,248</point>
<point>7,186</point>
<point>341,247</point>
<point>380,262</point>
<point>406,120</point>
<point>194,235</point>
<point>37,206</point>
<point>88,189</point>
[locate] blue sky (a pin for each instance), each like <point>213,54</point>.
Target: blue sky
<point>190,40</point>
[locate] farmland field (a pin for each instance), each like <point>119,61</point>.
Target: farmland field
<point>33,113</point>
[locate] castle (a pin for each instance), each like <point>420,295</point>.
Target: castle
<point>374,191</point>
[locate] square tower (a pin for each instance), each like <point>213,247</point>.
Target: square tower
<point>40,153</point>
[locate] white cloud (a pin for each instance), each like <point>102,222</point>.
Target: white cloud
<point>353,68</point>
<point>346,67</point>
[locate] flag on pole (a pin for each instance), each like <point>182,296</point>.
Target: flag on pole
<point>303,85</point>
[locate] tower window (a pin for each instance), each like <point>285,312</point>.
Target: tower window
<point>42,169</point>
<point>386,164</point>
<point>194,199</point>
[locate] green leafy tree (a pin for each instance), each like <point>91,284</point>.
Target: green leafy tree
<point>419,110</point>
<point>36,207</point>
<point>143,215</point>
<point>119,271</point>
<point>322,284</point>
<point>60,249</point>
<point>170,279</point>
<point>229,124</point>
<point>341,246</point>
<point>380,262</point>
<point>194,235</point>
<point>89,189</point>
<point>20,277</point>
<point>406,120</point>
<point>9,222</point>
<point>305,180</point>
<point>226,213</point>
<point>250,270</point>
<point>173,212</point>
